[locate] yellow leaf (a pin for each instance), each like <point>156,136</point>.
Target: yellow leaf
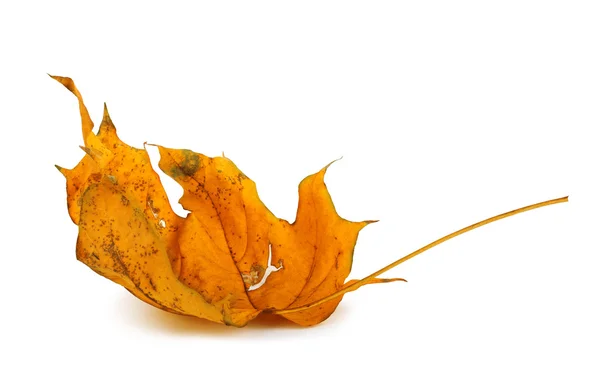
<point>230,259</point>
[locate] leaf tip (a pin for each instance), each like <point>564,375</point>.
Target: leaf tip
<point>65,81</point>
<point>146,143</point>
<point>55,77</point>
<point>60,169</point>
<point>107,125</point>
<point>365,223</point>
<point>105,114</point>
<point>329,165</point>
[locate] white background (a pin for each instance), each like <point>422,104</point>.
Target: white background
<point>445,113</point>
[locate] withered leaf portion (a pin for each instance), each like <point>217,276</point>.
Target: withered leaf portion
<point>211,263</point>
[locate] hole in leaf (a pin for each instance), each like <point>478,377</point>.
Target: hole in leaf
<point>270,269</point>
<point>172,189</point>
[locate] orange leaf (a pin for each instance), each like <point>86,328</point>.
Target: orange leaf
<point>230,259</point>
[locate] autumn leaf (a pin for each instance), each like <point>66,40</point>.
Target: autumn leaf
<point>230,259</point>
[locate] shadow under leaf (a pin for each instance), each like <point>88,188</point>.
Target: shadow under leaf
<point>140,314</point>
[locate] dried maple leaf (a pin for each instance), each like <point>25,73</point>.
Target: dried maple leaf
<point>230,259</point>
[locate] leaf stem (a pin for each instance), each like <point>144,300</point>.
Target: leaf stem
<point>365,280</point>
